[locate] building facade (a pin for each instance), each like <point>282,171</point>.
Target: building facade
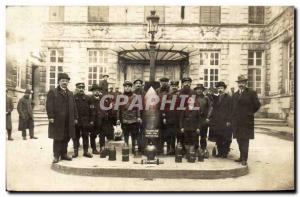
<point>207,43</point>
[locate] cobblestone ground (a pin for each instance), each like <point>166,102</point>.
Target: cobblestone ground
<point>271,167</point>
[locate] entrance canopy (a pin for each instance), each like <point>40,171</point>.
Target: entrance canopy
<point>165,54</point>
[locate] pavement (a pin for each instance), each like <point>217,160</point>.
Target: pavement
<point>28,168</point>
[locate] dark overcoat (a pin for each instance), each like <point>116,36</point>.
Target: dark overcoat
<point>220,115</point>
<point>25,114</point>
<point>9,108</point>
<point>244,108</point>
<point>60,106</point>
<point>83,109</point>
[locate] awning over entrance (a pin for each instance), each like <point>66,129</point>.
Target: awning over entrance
<point>165,54</point>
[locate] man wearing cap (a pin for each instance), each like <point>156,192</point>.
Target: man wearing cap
<point>205,108</point>
<point>104,84</point>
<point>82,127</point>
<point>139,90</point>
<point>129,117</point>
<point>245,105</point>
<point>186,86</point>
<point>9,109</point>
<point>62,116</point>
<point>164,89</point>
<point>25,115</point>
<point>170,120</point>
<point>220,120</point>
<point>96,116</point>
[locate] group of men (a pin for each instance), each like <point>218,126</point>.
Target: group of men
<point>25,111</point>
<point>72,116</point>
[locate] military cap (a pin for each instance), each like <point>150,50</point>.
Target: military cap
<point>127,83</point>
<point>200,86</point>
<point>106,75</point>
<point>164,79</point>
<point>186,79</point>
<point>242,78</point>
<point>79,84</point>
<point>137,81</point>
<point>63,76</point>
<point>220,83</point>
<point>95,87</point>
<point>175,83</point>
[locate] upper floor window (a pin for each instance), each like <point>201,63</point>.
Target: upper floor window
<point>256,14</point>
<point>160,11</point>
<point>210,15</point>
<point>56,59</point>
<point>98,13</point>
<point>56,55</point>
<point>255,63</point>
<point>56,13</point>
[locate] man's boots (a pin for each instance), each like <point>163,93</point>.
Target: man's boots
<point>75,154</point>
<point>87,154</point>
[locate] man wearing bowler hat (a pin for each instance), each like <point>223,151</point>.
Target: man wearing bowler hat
<point>245,105</point>
<point>62,116</point>
<point>220,120</point>
<point>82,128</point>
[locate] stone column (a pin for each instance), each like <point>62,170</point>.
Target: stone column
<point>36,85</point>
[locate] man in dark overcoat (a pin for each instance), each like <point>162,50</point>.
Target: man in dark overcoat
<point>62,116</point>
<point>9,109</point>
<point>220,120</point>
<point>82,128</point>
<point>26,115</point>
<point>245,104</point>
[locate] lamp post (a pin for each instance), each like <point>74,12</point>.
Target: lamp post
<point>152,29</point>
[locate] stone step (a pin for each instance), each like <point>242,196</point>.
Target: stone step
<point>269,120</point>
<point>270,124</point>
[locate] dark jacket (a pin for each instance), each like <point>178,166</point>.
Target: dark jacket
<point>205,107</point>
<point>126,115</point>
<point>83,109</point>
<point>189,120</point>
<point>104,85</point>
<point>9,109</point>
<point>221,114</point>
<point>244,108</point>
<point>25,114</point>
<point>171,115</point>
<point>62,108</point>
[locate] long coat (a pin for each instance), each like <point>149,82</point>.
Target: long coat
<point>244,108</point>
<point>25,114</point>
<point>59,106</point>
<point>220,115</point>
<point>83,108</point>
<point>9,108</point>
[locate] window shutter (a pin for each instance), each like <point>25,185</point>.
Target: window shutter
<point>215,14</point>
<point>205,14</point>
<point>92,13</point>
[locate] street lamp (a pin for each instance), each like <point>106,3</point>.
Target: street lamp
<point>152,29</point>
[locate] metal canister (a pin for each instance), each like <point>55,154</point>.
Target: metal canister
<point>125,152</point>
<point>201,155</point>
<point>112,154</point>
<point>178,153</point>
<point>192,155</point>
<point>103,152</point>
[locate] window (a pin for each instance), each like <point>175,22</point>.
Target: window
<point>97,66</point>
<point>210,61</point>
<point>98,13</point>
<point>254,70</point>
<point>56,65</point>
<point>182,12</point>
<point>56,13</point>
<point>290,67</point>
<point>210,14</point>
<point>169,72</point>
<point>160,11</point>
<point>256,14</point>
